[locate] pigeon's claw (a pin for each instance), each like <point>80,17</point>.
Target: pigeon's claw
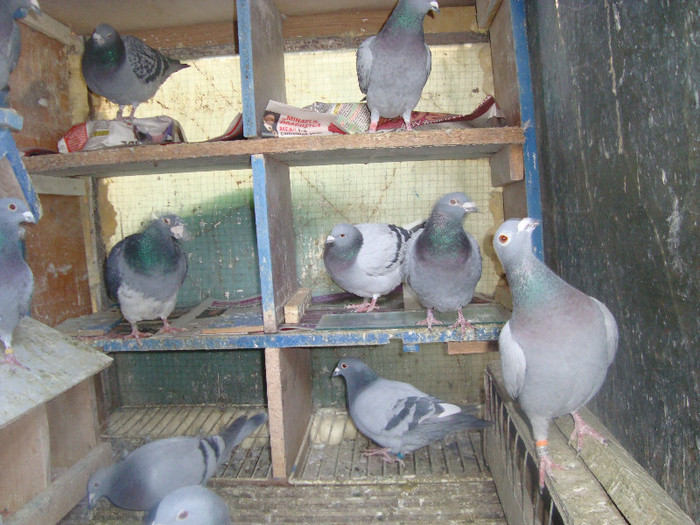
<point>581,428</point>
<point>11,360</point>
<point>383,454</point>
<point>373,126</point>
<point>462,323</point>
<point>364,306</point>
<point>430,320</point>
<point>546,464</point>
<point>168,328</point>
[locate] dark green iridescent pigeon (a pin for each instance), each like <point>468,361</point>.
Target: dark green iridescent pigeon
<point>123,69</point>
<point>16,279</point>
<point>443,262</point>
<point>394,65</point>
<point>144,272</point>
<point>557,346</point>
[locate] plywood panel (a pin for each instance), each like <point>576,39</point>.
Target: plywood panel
<point>505,76</point>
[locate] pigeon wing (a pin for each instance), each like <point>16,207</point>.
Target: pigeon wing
<point>147,63</point>
<point>364,63</point>
<point>512,362</point>
<point>611,331</point>
<point>383,249</point>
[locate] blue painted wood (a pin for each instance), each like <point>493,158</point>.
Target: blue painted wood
<point>245,50</point>
<point>527,116</point>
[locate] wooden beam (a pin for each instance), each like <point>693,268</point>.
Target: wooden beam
<point>486,11</point>
<point>54,29</point>
<point>288,373</point>
<point>505,75</point>
<point>93,260</point>
<point>46,185</point>
<point>297,305</point>
<point>507,166</point>
<point>471,347</point>
<point>514,200</point>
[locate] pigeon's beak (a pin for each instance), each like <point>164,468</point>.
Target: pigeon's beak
<point>92,500</point>
<point>528,224</point>
<point>34,6</point>
<point>29,217</point>
<point>336,372</point>
<point>329,240</point>
<point>470,207</point>
<point>178,231</point>
<point>434,6</point>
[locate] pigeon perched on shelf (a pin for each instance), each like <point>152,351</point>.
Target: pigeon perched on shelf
<point>123,69</point>
<point>394,65</point>
<point>144,272</point>
<point>193,505</point>
<point>10,40</point>
<point>396,415</point>
<point>557,346</point>
<point>443,262</point>
<point>156,469</point>
<point>16,279</point>
<point>365,259</point>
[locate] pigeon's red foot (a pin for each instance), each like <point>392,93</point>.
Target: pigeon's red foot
<point>364,306</point>
<point>581,428</point>
<point>546,463</point>
<point>11,360</point>
<point>373,127</point>
<point>168,328</point>
<point>430,320</point>
<point>462,323</point>
<point>383,454</point>
<point>408,125</point>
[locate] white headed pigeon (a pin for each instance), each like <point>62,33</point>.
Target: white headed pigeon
<point>144,272</point>
<point>365,259</point>
<point>123,69</point>
<point>557,346</point>
<point>397,415</point>
<point>193,505</point>
<point>156,469</point>
<point>10,39</point>
<point>443,262</point>
<point>394,65</point>
<point>16,279</point>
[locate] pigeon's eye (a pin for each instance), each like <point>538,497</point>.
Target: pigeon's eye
<point>503,239</point>
<point>453,202</point>
<point>183,515</point>
<point>166,220</point>
<point>96,484</point>
<point>12,207</point>
<point>343,365</point>
<point>342,235</point>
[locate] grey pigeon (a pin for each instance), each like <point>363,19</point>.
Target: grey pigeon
<point>144,272</point>
<point>193,505</point>
<point>156,469</point>
<point>124,69</point>
<point>394,65</point>
<point>557,346</point>
<point>443,262</point>
<point>10,39</point>
<point>16,279</point>
<point>365,259</point>
<point>397,415</point>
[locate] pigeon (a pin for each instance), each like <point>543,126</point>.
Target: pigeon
<point>16,279</point>
<point>144,272</point>
<point>193,505</point>
<point>124,69</point>
<point>558,344</point>
<point>396,415</point>
<point>10,39</point>
<point>394,65</point>
<point>365,259</point>
<point>443,262</point>
<point>156,469</point>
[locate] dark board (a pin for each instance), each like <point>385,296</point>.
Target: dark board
<point>616,95</point>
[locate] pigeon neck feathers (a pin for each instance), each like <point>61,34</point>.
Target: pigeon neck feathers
<point>444,235</point>
<point>109,54</point>
<point>152,251</point>
<point>406,19</point>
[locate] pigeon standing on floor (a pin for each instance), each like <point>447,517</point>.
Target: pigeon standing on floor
<point>394,65</point>
<point>193,505</point>
<point>365,259</point>
<point>443,262</point>
<point>156,469</point>
<point>396,415</point>
<point>144,272</point>
<point>557,346</point>
<point>10,39</point>
<point>123,69</point>
<point>16,279</point>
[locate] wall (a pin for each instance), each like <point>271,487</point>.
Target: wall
<point>616,90</point>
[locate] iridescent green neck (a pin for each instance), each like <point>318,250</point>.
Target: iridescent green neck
<point>406,17</point>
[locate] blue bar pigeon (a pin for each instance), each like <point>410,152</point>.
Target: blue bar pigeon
<point>393,66</point>
<point>396,415</point>
<point>144,272</point>
<point>123,69</point>
<point>156,469</point>
<point>193,505</point>
<point>557,346</point>
<point>16,279</point>
<point>443,262</point>
<point>365,259</point>
<point>10,39</point>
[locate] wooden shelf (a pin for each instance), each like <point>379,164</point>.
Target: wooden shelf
<point>295,151</point>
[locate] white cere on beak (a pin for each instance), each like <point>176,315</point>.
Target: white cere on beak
<point>527,224</point>
<point>434,6</point>
<point>178,231</point>
<point>330,238</point>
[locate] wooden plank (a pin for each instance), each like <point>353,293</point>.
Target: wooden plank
<point>638,496</point>
<point>471,347</point>
<point>297,305</point>
<point>64,493</point>
<point>73,424</point>
<point>514,200</point>
<point>288,372</point>
<point>505,75</point>
<point>274,224</point>
<point>24,459</point>
<point>486,11</point>
<point>507,166</point>
<point>262,60</point>
<point>54,29</point>
<point>296,151</point>
<point>94,262</point>
<point>46,185</point>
